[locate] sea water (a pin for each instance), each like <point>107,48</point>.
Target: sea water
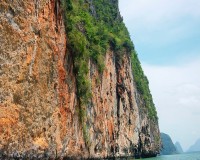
<point>184,156</point>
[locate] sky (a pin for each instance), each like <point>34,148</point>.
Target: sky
<point>166,35</point>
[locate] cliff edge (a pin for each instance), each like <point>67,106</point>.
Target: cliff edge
<point>71,84</point>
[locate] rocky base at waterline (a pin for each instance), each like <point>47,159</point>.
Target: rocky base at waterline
<point>47,157</point>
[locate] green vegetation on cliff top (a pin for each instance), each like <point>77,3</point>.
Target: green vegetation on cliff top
<point>92,27</point>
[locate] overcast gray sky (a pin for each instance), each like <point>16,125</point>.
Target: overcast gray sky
<point>166,35</point>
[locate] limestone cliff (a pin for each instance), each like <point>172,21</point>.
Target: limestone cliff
<point>58,99</point>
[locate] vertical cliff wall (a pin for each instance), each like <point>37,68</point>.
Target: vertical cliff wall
<point>71,84</point>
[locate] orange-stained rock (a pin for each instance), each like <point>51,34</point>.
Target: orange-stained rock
<point>37,105</point>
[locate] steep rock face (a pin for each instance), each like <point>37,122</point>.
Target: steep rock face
<point>114,120</point>
<point>40,112</point>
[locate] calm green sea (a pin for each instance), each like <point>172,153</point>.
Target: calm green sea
<point>185,156</point>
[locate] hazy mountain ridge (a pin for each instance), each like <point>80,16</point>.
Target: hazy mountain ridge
<point>195,147</point>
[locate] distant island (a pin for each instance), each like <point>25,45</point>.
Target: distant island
<point>167,145</point>
<point>178,147</point>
